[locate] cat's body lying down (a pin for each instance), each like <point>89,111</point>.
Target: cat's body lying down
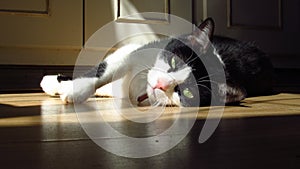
<point>172,71</point>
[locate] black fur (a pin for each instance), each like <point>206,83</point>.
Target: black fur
<point>61,77</point>
<point>97,71</point>
<point>246,65</point>
<point>248,69</point>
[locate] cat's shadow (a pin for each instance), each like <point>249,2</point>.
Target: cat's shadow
<point>237,104</point>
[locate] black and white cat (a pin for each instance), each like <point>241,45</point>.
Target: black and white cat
<point>171,71</point>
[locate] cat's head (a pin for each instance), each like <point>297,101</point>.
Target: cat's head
<point>173,80</point>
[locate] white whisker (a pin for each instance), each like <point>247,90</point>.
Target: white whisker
<point>211,81</point>
<point>210,75</point>
<point>191,60</point>
<point>212,92</point>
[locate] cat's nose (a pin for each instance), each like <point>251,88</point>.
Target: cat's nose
<point>162,85</point>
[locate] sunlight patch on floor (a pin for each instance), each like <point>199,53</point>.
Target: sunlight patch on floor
<point>39,109</point>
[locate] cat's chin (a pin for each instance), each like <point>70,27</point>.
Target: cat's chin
<point>158,97</point>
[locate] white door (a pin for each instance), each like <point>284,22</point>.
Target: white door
<point>52,32</point>
<point>98,13</point>
<point>41,37</point>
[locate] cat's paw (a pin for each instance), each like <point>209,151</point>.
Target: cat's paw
<point>50,85</point>
<point>104,91</point>
<point>114,89</point>
<point>76,91</point>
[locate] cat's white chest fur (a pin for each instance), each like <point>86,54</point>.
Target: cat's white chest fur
<point>133,83</point>
<point>129,87</point>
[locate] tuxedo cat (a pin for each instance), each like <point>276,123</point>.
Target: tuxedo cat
<point>173,71</point>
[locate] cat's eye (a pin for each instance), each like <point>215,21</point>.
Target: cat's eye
<point>173,63</point>
<point>187,93</point>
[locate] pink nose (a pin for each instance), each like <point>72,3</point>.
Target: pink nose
<point>162,85</point>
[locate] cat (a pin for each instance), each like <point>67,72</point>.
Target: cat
<point>171,71</point>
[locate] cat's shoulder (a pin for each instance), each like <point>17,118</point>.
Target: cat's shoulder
<point>227,41</point>
<point>230,45</point>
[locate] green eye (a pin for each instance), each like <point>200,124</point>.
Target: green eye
<point>187,93</point>
<point>173,63</point>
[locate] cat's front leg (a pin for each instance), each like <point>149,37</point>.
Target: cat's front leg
<point>78,90</point>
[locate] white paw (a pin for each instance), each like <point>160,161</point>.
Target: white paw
<point>50,85</point>
<point>114,89</point>
<point>77,91</point>
<point>104,91</point>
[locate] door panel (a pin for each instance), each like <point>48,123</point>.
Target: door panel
<point>117,9</point>
<point>38,6</point>
<point>273,24</point>
<point>142,6</point>
<point>40,32</point>
<point>267,14</point>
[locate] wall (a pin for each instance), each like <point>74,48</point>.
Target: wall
<point>41,37</point>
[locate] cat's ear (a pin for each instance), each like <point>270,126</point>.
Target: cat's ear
<point>208,27</point>
<point>202,35</point>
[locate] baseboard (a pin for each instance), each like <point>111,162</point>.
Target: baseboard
<point>287,80</point>
<point>19,78</point>
<point>26,78</point>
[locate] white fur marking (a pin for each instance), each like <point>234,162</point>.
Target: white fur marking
<point>219,57</point>
<point>50,85</point>
<point>78,90</point>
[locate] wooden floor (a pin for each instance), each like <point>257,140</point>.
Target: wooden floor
<point>37,131</point>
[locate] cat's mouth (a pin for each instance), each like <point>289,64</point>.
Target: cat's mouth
<point>142,98</point>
